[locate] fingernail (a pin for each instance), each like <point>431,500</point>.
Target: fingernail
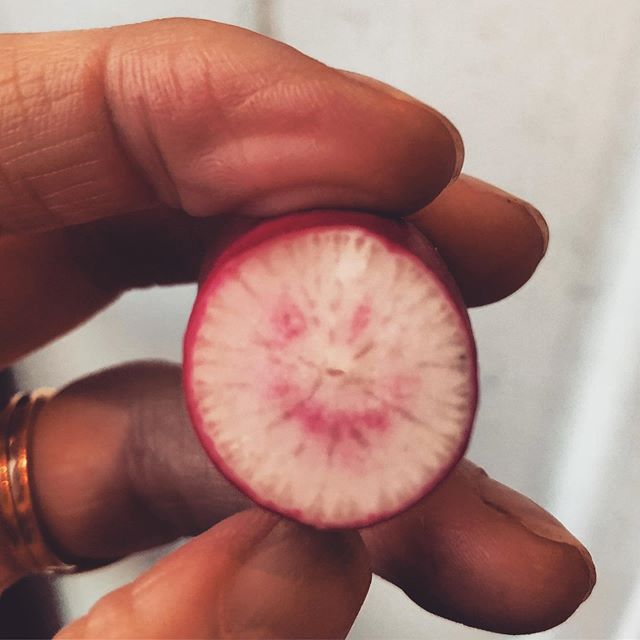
<point>480,186</point>
<point>401,95</point>
<point>533,518</point>
<point>538,218</point>
<point>457,143</point>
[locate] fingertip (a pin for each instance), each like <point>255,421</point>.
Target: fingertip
<point>491,241</point>
<point>452,144</point>
<point>481,554</point>
<point>554,569</point>
<point>301,583</point>
<point>517,584</point>
<point>457,142</point>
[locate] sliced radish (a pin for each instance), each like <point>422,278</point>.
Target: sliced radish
<point>330,368</point>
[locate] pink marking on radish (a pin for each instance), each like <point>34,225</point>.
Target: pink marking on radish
<point>360,320</point>
<point>288,321</point>
<point>279,389</point>
<point>402,385</point>
<point>342,434</point>
<point>322,420</point>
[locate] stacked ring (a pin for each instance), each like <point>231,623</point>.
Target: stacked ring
<point>23,546</point>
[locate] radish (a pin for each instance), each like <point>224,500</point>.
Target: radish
<point>330,367</point>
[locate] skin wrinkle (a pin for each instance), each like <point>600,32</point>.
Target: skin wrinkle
<point>172,198</point>
<point>136,468</point>
<point>174,508</point>
<point>115,68</point>
<point>132,459</point>
<point>260,91</point>
<point>46,100</point>
<point>114,88</point>
<point>221,131</point>
<point>20,101</point>
<point>17,99</point>
<point>4,228</point>
<point>72,167</point>
<point>55,202</point>
<point>40,150</point>
<point>117,134</point>
<point>316,94</point>
<point>70,187</point>
<point>36,198</point>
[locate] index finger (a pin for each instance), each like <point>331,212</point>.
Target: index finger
<point>472,550</point>
<point>205,117</point>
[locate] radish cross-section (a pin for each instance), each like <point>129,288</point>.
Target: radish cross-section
<point>330,368</point>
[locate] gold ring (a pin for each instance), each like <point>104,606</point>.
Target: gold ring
<point>23,548</point>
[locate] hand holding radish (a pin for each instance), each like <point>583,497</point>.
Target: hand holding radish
<point>141,150</point>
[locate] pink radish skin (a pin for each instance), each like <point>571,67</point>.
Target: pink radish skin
<point>321,389</point>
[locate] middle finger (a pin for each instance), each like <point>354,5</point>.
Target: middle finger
<point>491,241</point>
<point>129,474</point>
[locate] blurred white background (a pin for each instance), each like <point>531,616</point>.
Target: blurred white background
<point>547,97</point>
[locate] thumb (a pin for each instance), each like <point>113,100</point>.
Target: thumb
<point>252,576</point>
<point>205,117</point>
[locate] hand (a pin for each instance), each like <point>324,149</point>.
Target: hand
<point>171,126</point>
